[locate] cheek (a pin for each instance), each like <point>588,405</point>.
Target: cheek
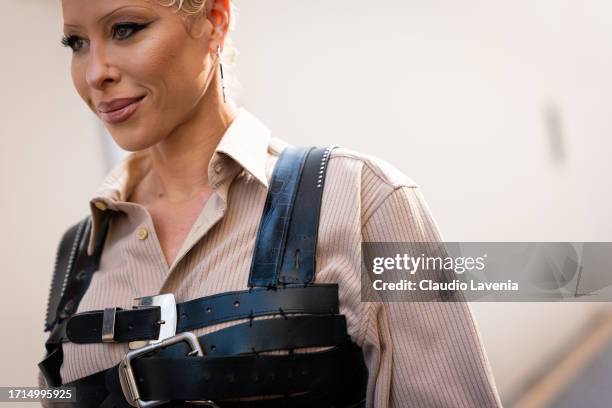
<point>153,59</point>
<point>77,71</point>
<point>173,68</point>
<point>170,66</point>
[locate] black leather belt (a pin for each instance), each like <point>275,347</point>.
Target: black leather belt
<point>218,378</point>
<point>276,334</point>
<point>163,376</point>
<point>142,324</point>
<point>285,250</point>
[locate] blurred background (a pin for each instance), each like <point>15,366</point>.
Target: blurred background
<point>499,110</point>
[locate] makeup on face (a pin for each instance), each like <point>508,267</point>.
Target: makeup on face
<point>137,66</point>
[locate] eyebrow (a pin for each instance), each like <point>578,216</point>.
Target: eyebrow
<point>107,15</point>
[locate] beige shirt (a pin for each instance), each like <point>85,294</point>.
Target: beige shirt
<point>418,354</point>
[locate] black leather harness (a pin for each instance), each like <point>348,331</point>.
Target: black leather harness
<point>227,367</point>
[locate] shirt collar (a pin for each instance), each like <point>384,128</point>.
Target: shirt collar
<point>245,142</point>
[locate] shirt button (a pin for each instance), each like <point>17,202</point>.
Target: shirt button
<point>142,233</point>
<point>218,168</point>
<point>101,206</point>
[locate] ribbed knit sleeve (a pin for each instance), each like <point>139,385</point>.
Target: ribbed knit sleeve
<point>421,354</point>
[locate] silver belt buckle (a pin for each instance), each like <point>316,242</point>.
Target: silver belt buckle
<point>129,385</point>
<point>167,324</point>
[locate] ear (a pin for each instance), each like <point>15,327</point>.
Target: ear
<point>219,17</point>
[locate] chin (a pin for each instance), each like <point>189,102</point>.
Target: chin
<point>133,140</point>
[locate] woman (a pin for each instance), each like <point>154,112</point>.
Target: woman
<point>186,205</point>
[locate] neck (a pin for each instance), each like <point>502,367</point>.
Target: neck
<point>179,163</point>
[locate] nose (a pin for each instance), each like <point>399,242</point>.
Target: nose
<point>100,71</point>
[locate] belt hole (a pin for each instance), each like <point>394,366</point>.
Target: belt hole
<point>208,309</point>
<point>236,303</point>
<point>297,259</point>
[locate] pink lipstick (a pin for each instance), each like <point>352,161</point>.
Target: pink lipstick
<point>118,110</point>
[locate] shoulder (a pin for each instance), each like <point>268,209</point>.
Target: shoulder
<point>376,192</point>
<point>372,167</point>
<point>377,179</point>
<point>344,161</point>
<point>363,182</point>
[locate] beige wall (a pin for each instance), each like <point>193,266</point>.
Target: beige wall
<point>454,93</point>
<point>50,161</point>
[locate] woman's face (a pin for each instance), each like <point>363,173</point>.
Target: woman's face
<point>138,66</point>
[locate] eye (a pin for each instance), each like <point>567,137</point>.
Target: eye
<point>123,31</point>
<point>73,42</point>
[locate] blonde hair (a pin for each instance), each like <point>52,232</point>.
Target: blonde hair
<point>229,52</point>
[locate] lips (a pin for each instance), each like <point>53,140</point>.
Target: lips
<point>118,110</point>
<point>116,104</point>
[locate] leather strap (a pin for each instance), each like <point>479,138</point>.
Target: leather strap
<point>141,324</point>
<point>287,238</point>
<point>78,279</point>
<point>315,299</point>
<point>64,263</point>
<point>50,366</point>
<point>272,234</point>
<point>130,325</point>
<point>212,378</point>
<point>307,400</point>
<point>338,371</point>
<point>271,334</point>
<point>299,261</point>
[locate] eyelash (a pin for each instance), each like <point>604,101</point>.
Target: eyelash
<point>71,41</point>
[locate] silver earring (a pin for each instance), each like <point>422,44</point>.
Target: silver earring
<point>221,69</point>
